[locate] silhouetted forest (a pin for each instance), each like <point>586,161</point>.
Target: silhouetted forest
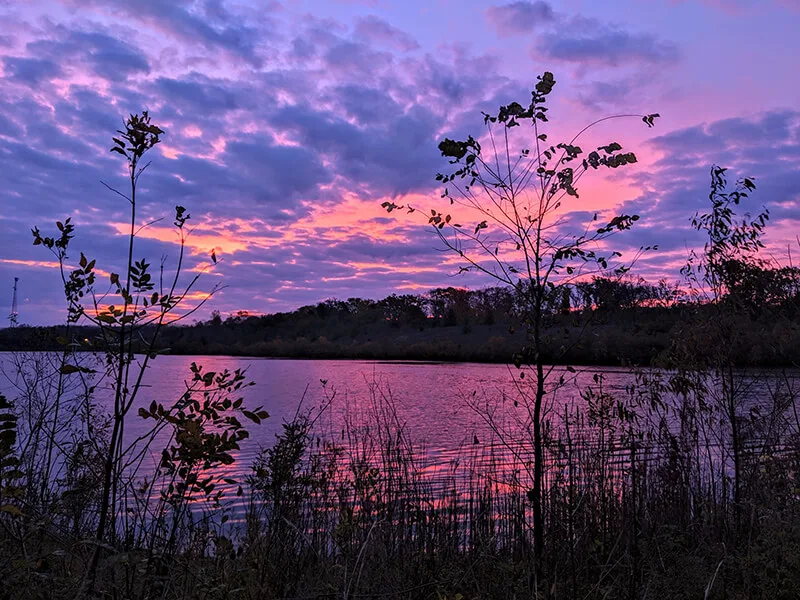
<point>628,321</point>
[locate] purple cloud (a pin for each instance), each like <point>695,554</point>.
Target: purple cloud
<point>105,55</point>
<point>31,71</point>
<point>212,26</point>
<point>518,18</point>
<point>395,157</point>
<point>195,92</point>
<point>378,31</point>
<point>356,61</point>
<point>8,127</point>
<point>365,104</point>
<point>589,42</point>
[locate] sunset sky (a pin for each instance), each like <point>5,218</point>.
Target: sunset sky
<point>289,123</point>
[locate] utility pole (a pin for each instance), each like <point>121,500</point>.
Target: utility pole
<point>12,318</point>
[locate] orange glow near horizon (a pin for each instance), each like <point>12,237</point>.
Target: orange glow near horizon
<point>42,264</point>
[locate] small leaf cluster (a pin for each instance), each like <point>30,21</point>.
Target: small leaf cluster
<point>69,369</point>
<point>141,280</point>
<point>80,281</point>
<point>139,136</point>
<point>609,158</point>
<point>181,216</point>
<point>729,264</point>
<point>207,432</point>
<point>648,119</point>
<point>439,220</point>
<point>57,245</point>
<point>726,235</point>
<point>509,116</point>
<point>619,223</point>
<point>79,284</point>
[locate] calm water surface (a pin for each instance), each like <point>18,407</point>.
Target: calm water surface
<point>432,400</point>
<point>436,403</point>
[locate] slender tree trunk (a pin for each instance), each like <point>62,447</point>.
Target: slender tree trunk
<point>538,468</point>
<point>110,475</point>
<point>736,446</point>
<point>634,583</point>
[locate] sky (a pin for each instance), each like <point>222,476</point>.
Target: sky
<point>288,123</point>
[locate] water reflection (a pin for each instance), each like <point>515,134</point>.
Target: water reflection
<point>452,414</point>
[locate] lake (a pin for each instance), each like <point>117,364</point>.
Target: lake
<point>432,399</point>
<point>449,411</point>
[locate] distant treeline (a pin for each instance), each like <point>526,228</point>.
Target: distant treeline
<point>628,321</point>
